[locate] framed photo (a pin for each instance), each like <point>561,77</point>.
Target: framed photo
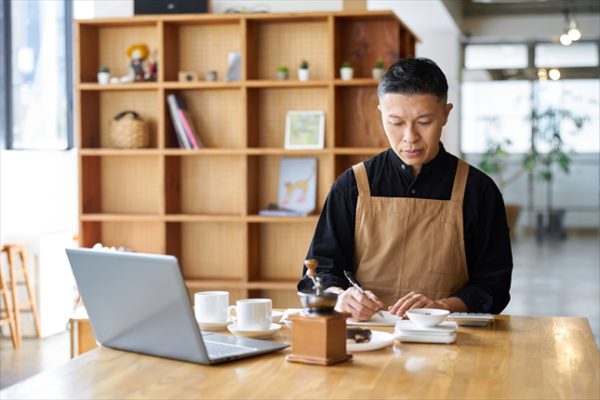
<point>305,130</point>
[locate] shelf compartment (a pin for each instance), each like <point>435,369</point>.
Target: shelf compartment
<point>277,251</point>
<point>268,107</point>
<point>121,185</point>
<point>364,40</point>
<point>216,114</point>
<point>274,43</point>
<point>140,236</point>
<point>263,181</point>
<point>107,44</point>
<point>204,185</point>
<point>199,46</point>
<point>101,108</point>
<point>357,119</point>
<point>209,250</point>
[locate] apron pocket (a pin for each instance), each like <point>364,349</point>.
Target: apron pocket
<point>443,250</point>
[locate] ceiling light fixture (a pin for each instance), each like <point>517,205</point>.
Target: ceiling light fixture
<point>571,33</point>
<point>554,74</point>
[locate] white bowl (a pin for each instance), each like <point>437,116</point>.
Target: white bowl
<point>427,317</point>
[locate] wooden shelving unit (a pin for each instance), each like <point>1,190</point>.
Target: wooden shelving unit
<point>202,205</point>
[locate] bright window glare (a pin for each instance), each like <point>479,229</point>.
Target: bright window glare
<point>39,89</point>
<point>581,97</point>
<point>495,56</point>
<point>575,55</point>
<point>495,110</point>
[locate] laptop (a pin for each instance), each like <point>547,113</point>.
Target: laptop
<point>138,302</point>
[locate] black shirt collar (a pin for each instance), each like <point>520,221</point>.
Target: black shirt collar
<point>439,161</point>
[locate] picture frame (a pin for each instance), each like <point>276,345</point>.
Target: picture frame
<point>304,130</point>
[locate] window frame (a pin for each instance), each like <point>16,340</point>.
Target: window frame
<point>6,101</point>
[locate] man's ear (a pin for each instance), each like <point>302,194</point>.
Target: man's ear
<point>379,107</point>
<point>447,110</point>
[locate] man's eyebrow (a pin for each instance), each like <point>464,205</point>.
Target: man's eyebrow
<point>419,116</point>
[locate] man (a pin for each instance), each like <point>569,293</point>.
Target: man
<point>416,226</point>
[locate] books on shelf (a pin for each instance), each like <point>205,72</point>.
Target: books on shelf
<point>185,130</point>
<point>297,190</point>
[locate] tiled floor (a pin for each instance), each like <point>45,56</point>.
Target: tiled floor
<point>549,278</point>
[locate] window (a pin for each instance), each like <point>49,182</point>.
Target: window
<point>495,56</point>
<point>37,72</point>
<point>575,55</point>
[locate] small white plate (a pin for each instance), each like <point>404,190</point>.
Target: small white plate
<point>379,339</point>
<point>273,329</point>
<point>213,326</point>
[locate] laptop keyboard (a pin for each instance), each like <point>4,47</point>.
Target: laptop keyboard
<point>220,350</point>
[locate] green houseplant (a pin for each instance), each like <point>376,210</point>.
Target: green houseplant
<point>547,155</point>
<point>346,71</point>
<point>377,70</point>
<point>282,73</point>
<point>303,71</point>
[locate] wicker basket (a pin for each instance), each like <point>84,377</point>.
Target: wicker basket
<point>128,131</point>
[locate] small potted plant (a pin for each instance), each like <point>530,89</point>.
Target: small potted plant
<point>282,73</point>
<point>346,72</point>
<point>377,71</point>
<point>103,75</point>
<point>303,72</point>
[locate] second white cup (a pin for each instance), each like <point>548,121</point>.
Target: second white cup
<point>211,306</point>
<point>252,314</point>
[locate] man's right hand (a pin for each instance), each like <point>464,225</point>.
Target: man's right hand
<point>360,306</point>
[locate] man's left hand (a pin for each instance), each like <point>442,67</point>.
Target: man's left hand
<point>415,300</point>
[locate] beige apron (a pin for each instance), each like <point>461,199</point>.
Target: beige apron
<point>408,244</point>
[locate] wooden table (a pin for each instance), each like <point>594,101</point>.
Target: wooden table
<point>518,357</point>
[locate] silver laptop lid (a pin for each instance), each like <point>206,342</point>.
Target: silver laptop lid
<point>138,302</point>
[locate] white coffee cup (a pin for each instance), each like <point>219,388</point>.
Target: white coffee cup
<point>252,314</point>
<point>211,306</point>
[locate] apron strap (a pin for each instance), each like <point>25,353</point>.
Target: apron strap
<point>362,180</point>
<point>460,181</point>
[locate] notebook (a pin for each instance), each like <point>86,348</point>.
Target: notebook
<point>138,302</point>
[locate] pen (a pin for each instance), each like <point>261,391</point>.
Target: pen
<point>357,286</point>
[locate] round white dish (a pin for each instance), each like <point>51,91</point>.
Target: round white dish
<point>379,339</point>
<point>427,317</point>
<point>214,326</point>
<point>273,329</point>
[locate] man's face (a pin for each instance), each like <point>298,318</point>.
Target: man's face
<point>413,125</point>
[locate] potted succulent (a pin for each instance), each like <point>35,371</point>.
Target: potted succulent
<point>103,75</point>
<point>282,73</point>
<point>377,71</point>
<point>303,72</point>
<point>547,129</point>
<point>346,72</point>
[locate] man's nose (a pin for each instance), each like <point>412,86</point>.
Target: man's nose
<point>410,134</point>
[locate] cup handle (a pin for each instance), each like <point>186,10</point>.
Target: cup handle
<point>231,312</point>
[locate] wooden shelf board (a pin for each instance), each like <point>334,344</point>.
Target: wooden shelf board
<point>119,152</point>
<point>204,151</point>
<point>292,83</point>
<point>201,85</point>
<point>286,152</point>
<point>358,150</point>
<point>203,218</point>
<point>357,82</point>
<point>261,219</point>
<point>98,217</point>
<point>92,86</point>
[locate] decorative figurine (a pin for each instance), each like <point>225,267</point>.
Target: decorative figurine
<point>138,67</point>
<point>318,333</point>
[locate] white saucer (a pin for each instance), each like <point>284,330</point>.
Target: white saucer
<point>213,326</point>
<point>273,329</point>
<point>379,339</point>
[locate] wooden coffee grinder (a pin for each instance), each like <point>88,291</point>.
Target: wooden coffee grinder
<point>318,333</point>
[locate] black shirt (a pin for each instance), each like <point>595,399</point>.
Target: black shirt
<point>486,235</point>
